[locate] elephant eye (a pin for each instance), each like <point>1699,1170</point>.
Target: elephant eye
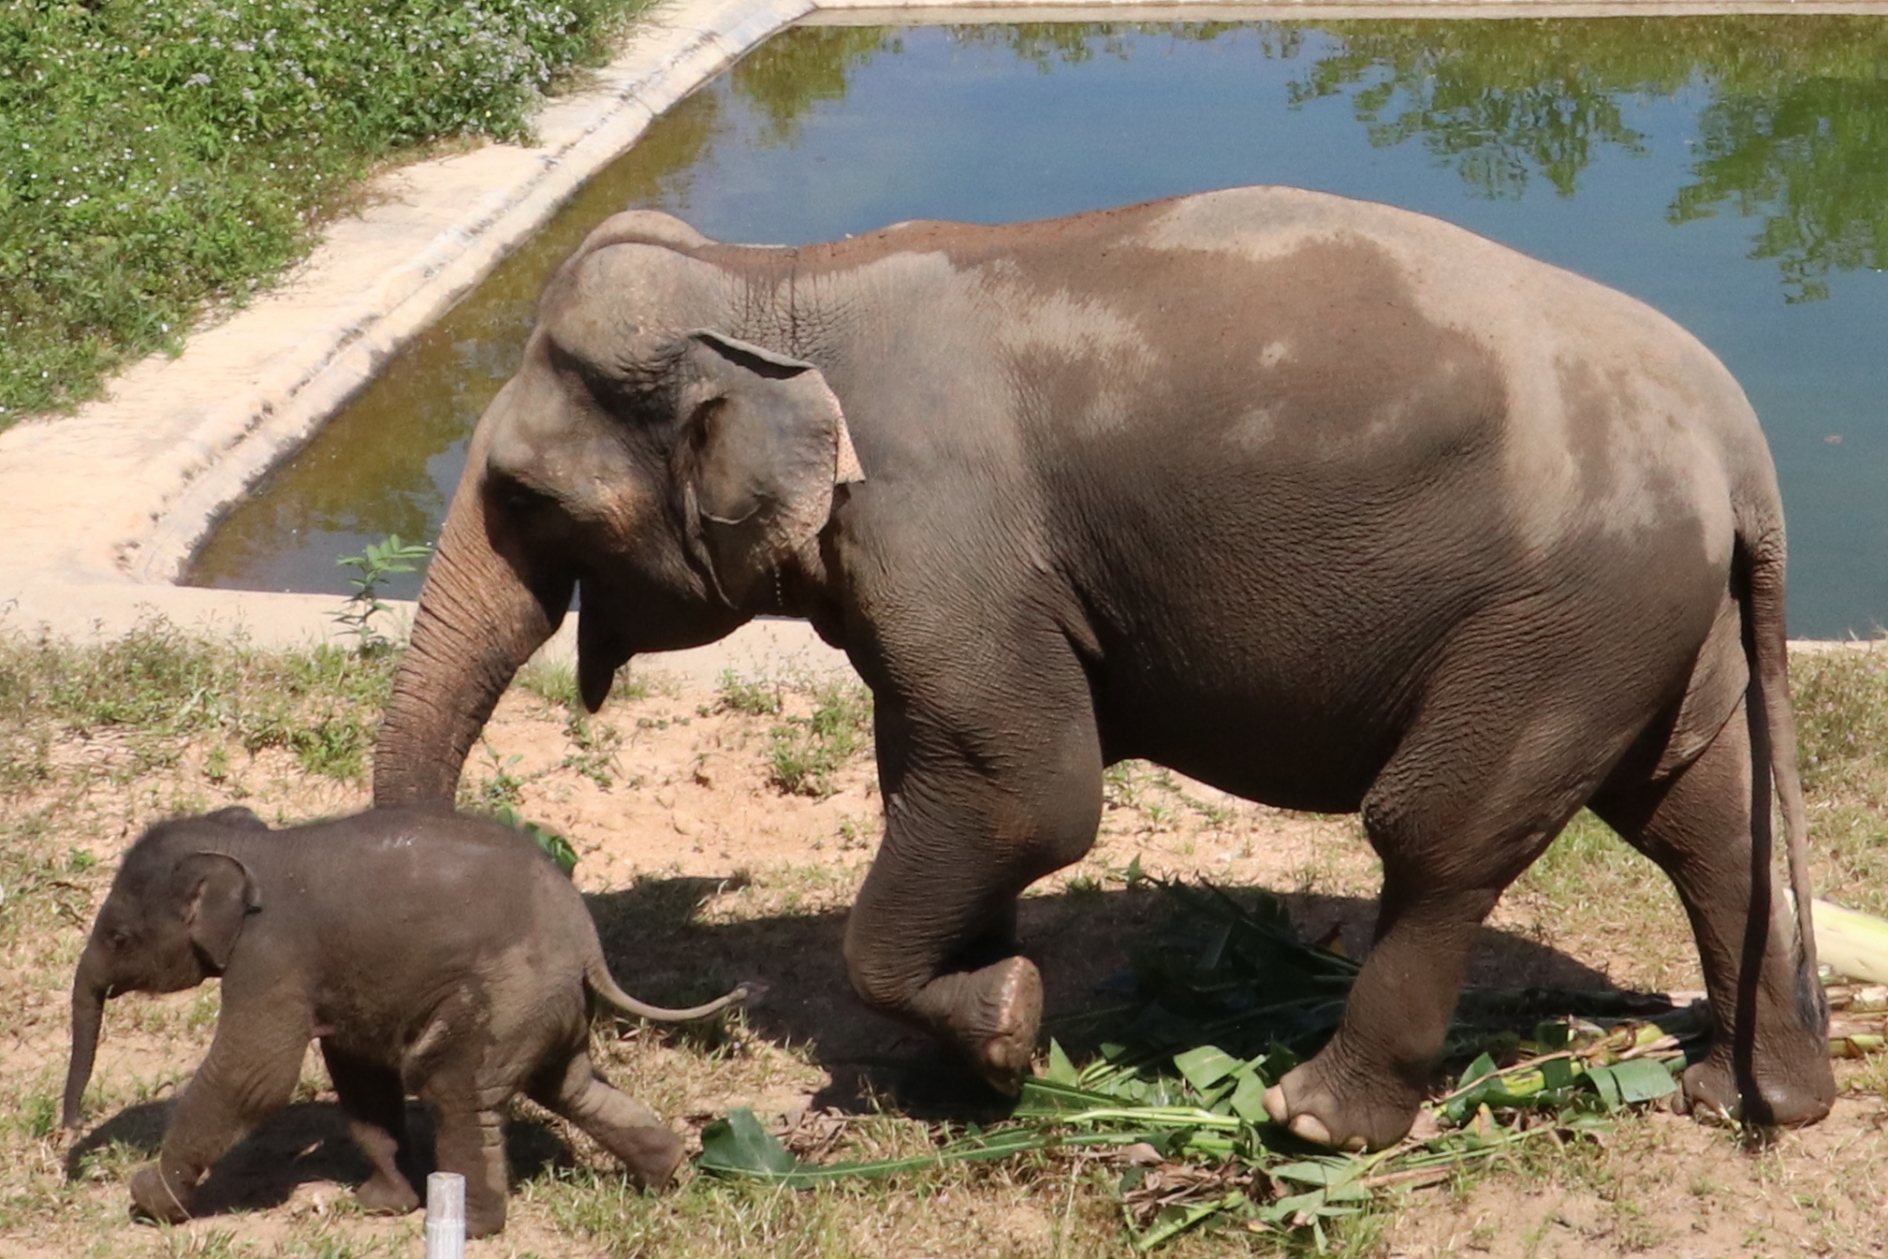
<point>515,496</point>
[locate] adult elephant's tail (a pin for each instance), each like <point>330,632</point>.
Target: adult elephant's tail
<point>1773,742</point>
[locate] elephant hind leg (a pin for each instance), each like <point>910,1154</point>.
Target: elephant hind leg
<point>1471,796</point>
<point>617,1122</point>
<point>375,1104</point>
<point>1768,1063</point>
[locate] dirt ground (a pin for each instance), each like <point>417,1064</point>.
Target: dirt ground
<point>701,871</point>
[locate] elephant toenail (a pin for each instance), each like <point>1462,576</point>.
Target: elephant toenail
<point>1275,1105</point>
<point>1312,1129</point>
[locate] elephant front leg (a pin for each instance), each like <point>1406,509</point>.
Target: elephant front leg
<point>980,802</point>
<point>249,1074</point>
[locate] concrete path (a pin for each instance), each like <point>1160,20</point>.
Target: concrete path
<point>100,511</point>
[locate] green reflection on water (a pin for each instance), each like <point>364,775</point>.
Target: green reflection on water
<point>1795,131</point>
<point>1791,132</point>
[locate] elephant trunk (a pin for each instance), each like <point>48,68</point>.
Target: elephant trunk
<point>88,1012</point>
<point>479,620</point>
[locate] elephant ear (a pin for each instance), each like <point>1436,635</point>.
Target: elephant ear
<point>216,895</point>
<point>770,442</point>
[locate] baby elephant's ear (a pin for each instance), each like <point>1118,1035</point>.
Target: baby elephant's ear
<point>769,442</point>
<point>217,895</point>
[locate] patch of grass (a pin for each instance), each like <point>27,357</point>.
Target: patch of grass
<point>749,696</point>
<point>555,682</point>
<point>1841,702</point>
<point>499,788</point>
<point>159,158</point>
<point>159,686</point>
<point>804,752</point>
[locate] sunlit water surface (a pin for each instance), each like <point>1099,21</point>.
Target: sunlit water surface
<point>1732,172</point>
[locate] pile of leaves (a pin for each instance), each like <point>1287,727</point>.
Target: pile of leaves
<point>1217,1015</point>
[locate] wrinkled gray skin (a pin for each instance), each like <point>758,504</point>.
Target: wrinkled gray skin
<point>1328,504</point>
<point>429,953</point>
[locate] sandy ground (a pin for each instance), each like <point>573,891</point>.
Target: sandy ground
<point>702,872</point>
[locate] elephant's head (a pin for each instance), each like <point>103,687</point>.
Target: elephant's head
<point>170,922</point>
<point>650,455</point>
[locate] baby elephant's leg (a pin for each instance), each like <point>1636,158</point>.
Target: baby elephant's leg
<point>376,1109</point>
<point>619,1123</point>
<point>471,1141</point>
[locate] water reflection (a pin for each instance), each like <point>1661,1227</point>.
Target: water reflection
<point>1732,171</point>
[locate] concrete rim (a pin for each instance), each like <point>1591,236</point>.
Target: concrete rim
<point>178,440</point>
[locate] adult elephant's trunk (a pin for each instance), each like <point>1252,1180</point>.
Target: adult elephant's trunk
<point>481,615</point>
<point>88,1011</point>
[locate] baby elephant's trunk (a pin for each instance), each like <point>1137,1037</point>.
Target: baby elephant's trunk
<point>88,1009</point>
<point>597,975</point>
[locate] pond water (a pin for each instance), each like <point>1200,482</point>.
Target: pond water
<point>1731,171</point>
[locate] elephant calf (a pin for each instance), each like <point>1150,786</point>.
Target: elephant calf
<point>429,952</point>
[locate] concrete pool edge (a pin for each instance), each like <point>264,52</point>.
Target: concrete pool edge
<point>102,510</point>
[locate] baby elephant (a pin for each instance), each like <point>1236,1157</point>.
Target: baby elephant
<point>429,952</point>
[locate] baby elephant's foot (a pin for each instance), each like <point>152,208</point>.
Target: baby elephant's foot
<point>387,1195</point>
<point>991,1015</point>
<point>652,1153</point>
<point>154,1197</point>
<point>1327,1113</point>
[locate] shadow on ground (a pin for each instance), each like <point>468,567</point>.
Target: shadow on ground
<point>660,951</point>
<point>305,1143</point>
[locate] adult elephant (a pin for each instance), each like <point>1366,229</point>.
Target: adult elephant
<point>1331,505</point>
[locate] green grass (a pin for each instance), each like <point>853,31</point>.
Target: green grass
<point>158,687</point>
<point>157,159</point>
<point>805,752</point>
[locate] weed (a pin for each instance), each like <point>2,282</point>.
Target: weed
<point>751,697</point>
<point>500,789</point>
<point>364,609</point>
<point>553,681</point>
<point>805,752</point>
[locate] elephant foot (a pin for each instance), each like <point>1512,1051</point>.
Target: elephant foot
<point>155,1198</point>
<point>1328,1114</point>
<point>652,1155</point>
<point>387,1195</point>
<point>991,1016</point>
<point>1787,1092</point>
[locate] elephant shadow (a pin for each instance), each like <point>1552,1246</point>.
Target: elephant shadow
<point>304,1143</point>
<point>1084,941</point>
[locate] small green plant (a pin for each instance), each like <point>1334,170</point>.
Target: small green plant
<point>805,752</point>
<point>555,846</point>
<point>499,790</point>
<point>751,697</point>
<point>364,609</point>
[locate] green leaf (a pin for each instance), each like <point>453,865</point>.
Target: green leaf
<point>1480,1069</point>
<point>1248,1100</point>
<point>1061,1070</point>
<point>739,1145</point>
<point>1642,1080</point>
<point>1606,1085</point>
<point>1206,1066</point>
<point>1324,1171</point>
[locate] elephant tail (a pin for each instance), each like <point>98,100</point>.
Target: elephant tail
<point>1773,741</point>
<point>596,974</point>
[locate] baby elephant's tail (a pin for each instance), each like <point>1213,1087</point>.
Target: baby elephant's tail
<point>597,975</point>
